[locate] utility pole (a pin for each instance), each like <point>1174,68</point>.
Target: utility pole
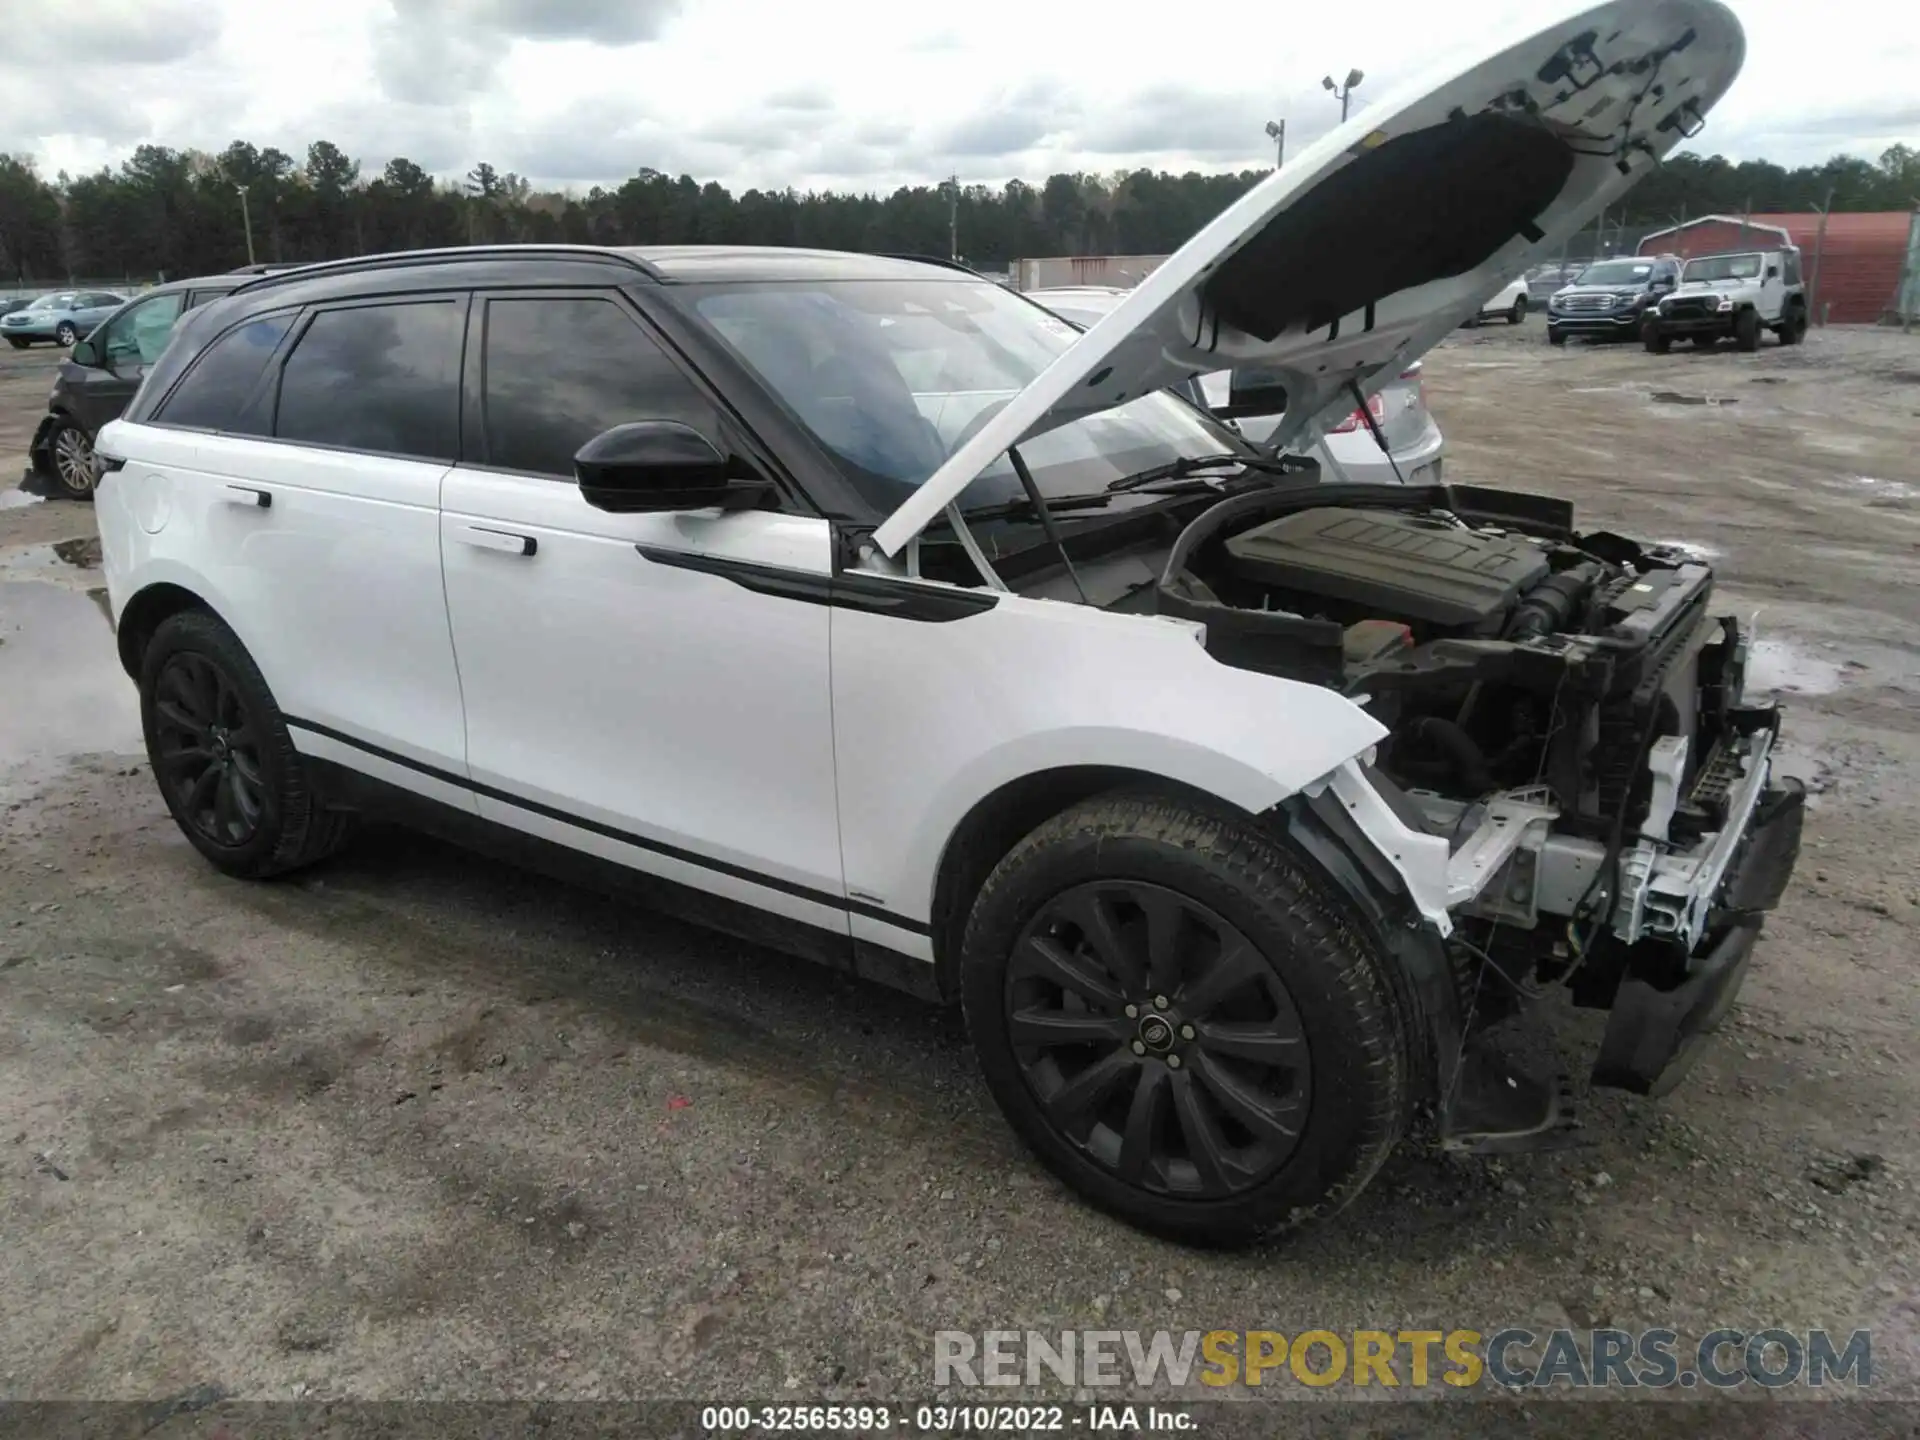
<point>953,218</point>
<point>246,218</point>
<point>1277,132</point>
<point>1819,249</point>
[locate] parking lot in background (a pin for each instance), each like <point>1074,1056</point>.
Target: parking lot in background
<point>415,1124</point>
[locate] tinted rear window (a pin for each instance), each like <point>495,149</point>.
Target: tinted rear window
<point>215,390</point>
<point>378,378</point>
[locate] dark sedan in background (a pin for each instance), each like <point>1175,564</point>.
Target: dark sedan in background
<point>95,382</point>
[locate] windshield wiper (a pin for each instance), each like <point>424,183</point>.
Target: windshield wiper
<point>1172,470</point>
<point>1180,469</point>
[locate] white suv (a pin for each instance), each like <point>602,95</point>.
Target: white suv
<point>1734,297</point>
<point>862,607</point>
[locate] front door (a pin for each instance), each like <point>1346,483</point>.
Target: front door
<point>130,343</point>
<point>652,689</point>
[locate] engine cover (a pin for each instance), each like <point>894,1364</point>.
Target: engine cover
<point>1390,564</point>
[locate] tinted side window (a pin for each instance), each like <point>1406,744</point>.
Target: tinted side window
<point>1791,268</point>
<point>558,372</point>
<point>212,393</point>
<point>380,378</point>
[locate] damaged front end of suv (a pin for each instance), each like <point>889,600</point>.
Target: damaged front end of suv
<point>1575,789</point>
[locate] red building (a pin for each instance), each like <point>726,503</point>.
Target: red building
<point>1859,262</point>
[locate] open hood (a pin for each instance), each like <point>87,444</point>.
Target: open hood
<point>1375,242</point>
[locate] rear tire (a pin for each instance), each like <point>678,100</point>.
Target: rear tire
<point>1519,311</point>
<point>1263,1077</point>
<point>65,335</point>
<point>1793,329</point>
<point>220,751</point>
<point>1746,330</point>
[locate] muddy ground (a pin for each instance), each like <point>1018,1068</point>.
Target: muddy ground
<point>414,1125</point>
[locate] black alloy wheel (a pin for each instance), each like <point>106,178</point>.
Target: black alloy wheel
<point>1158,1040</point>
<point>207,750</point>
<point>1141,975</point>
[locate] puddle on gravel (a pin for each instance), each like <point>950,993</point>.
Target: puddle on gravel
<point>62,691</point>
<point>15,498</point>
<point>1775,666</point>
<point>1871,489</point>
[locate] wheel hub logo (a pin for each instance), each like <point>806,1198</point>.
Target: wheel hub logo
<point>1156,1034</point>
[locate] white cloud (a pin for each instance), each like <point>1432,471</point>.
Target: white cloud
<point>864,94</point>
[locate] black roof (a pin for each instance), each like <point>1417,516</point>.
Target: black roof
<point>490,266</point>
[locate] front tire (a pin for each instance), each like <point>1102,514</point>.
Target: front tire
<point>17,342</point>
<point>1746,330</point>
<point>1556,337</point>
<point>1657,341</point>
<point>70,456</point>
<point>66,335</point>
<point>1261,1077</point>
<point>219,748</point>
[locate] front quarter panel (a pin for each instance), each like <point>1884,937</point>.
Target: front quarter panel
<point>931,718</point>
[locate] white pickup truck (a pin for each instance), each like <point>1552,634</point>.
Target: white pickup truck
<point>1738,296</point>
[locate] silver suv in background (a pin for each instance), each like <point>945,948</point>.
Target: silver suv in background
<point>1415,446</point>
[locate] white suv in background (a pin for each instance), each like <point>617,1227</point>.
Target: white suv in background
<point>864,608</point>
<point>1348,449</point>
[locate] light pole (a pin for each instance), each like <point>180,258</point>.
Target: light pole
<point>1342,92</point>
<point>1277,132</point>
<point>246,217</point>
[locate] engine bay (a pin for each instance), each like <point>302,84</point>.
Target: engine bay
<point>1502,649</point>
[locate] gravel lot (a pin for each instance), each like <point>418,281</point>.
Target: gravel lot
<point>414,1125</point>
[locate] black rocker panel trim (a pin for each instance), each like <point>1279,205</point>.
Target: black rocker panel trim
<point>874,594</point>
<point>625,837</point>
<point>383,801</point>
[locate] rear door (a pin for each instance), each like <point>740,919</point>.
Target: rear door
<point>649,688</point>
<point>315,495</point>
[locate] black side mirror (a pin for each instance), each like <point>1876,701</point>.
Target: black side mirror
<point>86,353</point>
<point>657,465</point>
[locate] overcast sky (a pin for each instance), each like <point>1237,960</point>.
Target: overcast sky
<point>848,94</point>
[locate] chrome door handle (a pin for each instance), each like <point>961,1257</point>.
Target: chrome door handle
<point>249,495</point>
<point>507,542</point>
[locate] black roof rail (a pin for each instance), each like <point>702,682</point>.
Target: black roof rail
<point>943,261</point>
<point>263,268</point>
<point>401,259</point>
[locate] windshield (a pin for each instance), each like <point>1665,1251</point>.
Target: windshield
<point>1723,267</point>
<point>1616,272</point>
<point>892,376</point>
